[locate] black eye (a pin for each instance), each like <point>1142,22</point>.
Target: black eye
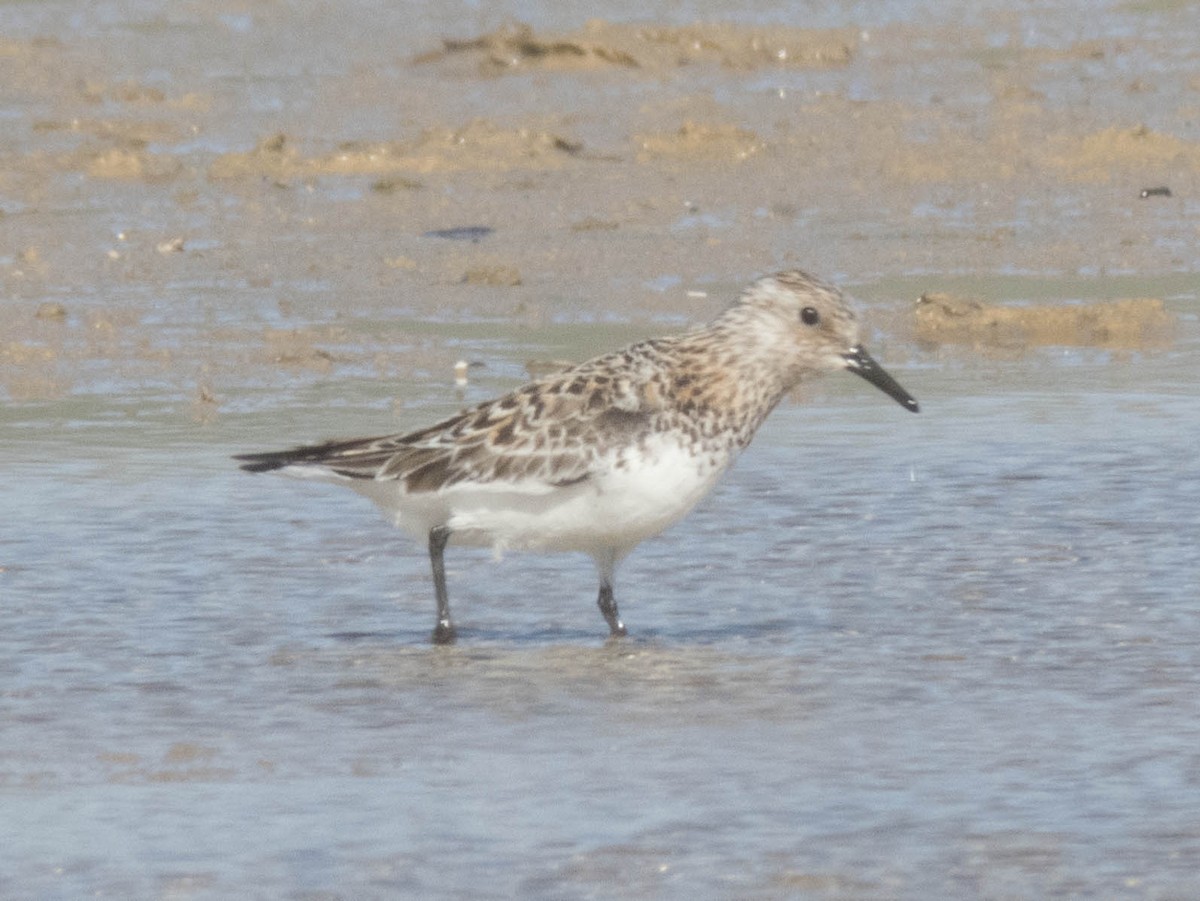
<point>809,316</point>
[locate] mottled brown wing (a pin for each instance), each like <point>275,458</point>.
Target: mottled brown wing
<point>551,432</point>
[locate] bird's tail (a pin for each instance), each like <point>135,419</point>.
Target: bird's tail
<point>270,461</point>
<point>358,458</point>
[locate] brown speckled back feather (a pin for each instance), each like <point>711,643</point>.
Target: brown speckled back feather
<point>549,431</point>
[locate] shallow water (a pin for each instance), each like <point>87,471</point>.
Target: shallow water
<point>946,654</point>
<point>892,656</point>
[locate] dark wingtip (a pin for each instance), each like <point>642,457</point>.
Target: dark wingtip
<point>266,462</point>
<point>356,459</point>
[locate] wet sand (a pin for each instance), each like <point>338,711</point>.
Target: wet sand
<point>179,198</point>
<point>945,657</point>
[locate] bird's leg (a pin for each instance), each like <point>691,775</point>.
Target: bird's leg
<point>606,564</point>
<point>608,606</point>
<point>443,632</point>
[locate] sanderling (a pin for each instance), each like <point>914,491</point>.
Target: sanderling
<point>601,456</point>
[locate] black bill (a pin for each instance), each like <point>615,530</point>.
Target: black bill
<point>862,363</point>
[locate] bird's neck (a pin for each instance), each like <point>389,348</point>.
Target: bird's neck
<point>726,384</point>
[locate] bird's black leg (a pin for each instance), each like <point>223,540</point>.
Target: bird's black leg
<point>443,632</point>
<point>608,606</point>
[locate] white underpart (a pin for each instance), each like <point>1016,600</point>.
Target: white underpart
<point>606,515</point>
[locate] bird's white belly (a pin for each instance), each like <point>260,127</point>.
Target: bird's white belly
<point>614,508</point>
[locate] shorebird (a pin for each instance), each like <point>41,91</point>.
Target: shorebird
<point>605,454</point>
